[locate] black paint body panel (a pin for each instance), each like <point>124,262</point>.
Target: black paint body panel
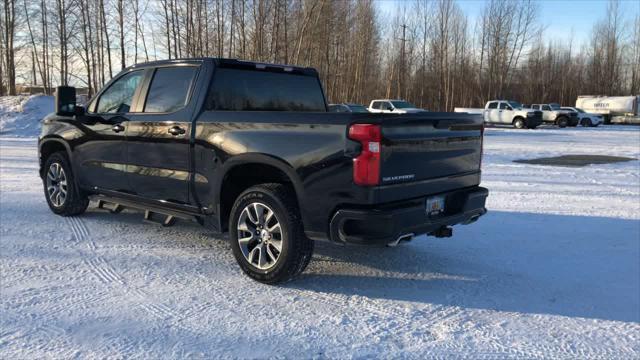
<point>440,150</point>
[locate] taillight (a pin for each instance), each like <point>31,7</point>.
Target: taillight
<point>366,166</point>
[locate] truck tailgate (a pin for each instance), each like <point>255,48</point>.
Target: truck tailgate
<point>429,146</point>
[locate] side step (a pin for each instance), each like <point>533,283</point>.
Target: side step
<point>156,218</point>
<point>152,214</point>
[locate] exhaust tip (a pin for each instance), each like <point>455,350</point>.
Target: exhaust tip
<point>405,237</point>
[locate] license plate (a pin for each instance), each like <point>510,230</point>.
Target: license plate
<point>435,205</point>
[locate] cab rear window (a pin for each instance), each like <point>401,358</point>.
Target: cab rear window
<point>256,90</point>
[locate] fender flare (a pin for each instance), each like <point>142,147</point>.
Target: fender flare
<point>50,139</point>
<point>263,159</point>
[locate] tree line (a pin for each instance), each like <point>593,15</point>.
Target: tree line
<point>430,52</point>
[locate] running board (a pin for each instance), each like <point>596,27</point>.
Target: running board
<point>152,214</point>
<point>156,218</point>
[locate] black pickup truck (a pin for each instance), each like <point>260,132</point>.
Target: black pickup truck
<point>250,148</point>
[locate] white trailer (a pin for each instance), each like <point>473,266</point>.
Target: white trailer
<point>623,109</point>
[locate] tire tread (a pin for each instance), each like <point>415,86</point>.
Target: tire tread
<point>301,247</point>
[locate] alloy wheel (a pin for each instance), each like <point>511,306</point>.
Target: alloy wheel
<point>57,184</point>
<point>259,235</point>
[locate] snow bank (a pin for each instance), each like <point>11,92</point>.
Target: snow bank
<point>20,116</point>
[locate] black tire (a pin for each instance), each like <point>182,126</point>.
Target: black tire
<point>586,122</point>
<point>75,201</point>
<point>297,249</point>
<point>562,122</point>
<point>519,123</point>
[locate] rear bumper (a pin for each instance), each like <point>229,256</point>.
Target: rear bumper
<point>534,120</point>
<point>385,224</point>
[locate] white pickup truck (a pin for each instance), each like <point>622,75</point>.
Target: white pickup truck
<point>393,107</point>
<point>507,112</point>
<point>553,114</point>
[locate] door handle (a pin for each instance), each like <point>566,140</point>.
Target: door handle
<point>117,128</point>
<point>176,130</point>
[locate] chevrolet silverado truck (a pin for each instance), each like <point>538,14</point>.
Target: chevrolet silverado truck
<point>508,112</point>
<point>250,149</point>
<point>553,114</point>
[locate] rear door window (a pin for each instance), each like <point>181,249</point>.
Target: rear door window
<point>256,90</point>
<point>169,89</point>
<point>493,105</point>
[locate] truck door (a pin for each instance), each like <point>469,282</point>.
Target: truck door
<point>491,113</point>
<point>547,114</point>
<point>158,138</point>
<point>102,157</point>
<point>506,113</point>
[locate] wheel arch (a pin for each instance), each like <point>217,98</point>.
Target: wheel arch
<point>48,146</point>
<point>244,171</point>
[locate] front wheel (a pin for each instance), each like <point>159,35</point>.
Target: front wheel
<point>267,237</point>
<point>62,194</point>
<point>586,123</point>
<point>519,123</point>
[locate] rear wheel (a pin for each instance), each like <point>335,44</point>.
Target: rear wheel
<point>267,237</point>
<point>562,122</point>
<point>62,194</point>
<point>519,123</point>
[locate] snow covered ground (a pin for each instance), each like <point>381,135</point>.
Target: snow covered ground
<point>20,115</point>
<point>552,271</point>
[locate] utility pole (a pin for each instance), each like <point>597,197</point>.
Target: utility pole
<point>402,60</point>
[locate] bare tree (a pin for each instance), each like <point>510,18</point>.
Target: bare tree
<point>9,32</point>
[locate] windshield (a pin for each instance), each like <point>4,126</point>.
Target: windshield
<point>580,110</point>
<point>555,106</point>
<point>515,104</point>
<point>358,108</point>
<point>402,105</point>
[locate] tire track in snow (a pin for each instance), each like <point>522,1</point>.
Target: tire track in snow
<point>108,275</point>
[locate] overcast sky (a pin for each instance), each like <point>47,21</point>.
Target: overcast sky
<point>560,17</point>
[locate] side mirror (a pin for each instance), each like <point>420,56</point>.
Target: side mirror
<point>390,108</point>
<point>65,101</point>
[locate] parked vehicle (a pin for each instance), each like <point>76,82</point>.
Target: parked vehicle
<point>349,108</point>
<point>393,106</point>
<point>477,111</point>
<point>508,112</point>
<point>614,109</point>
<point>585,118</point>
<point>250,149</point>
<point>553,114</point>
